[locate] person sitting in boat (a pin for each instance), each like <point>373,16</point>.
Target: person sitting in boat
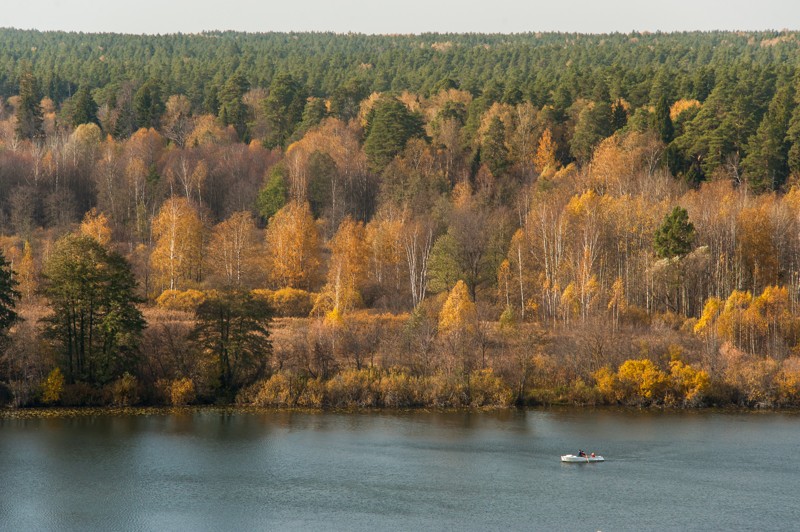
<point>581,454</point>
<point>592,455</point>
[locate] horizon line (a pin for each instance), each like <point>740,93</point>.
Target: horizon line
<point>631,32</point>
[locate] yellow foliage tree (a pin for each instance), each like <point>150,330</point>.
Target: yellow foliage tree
<point>607,384</point>
<point>332,137</point>
<point>234,249</point>
<point>288,302</point>
<point>706,325</point>
<point>770,322</point>
<point>609,163</point>
<point>680,106</point>
<point>462,195</point>
<point>731,324</point>
<point>386,253</point>
<point>617,302</point>
<point>586,219</point>
<point>348,267</point>
<point>641,380</point>
<point>688,383</point>
<point>184,300</point>
<point>182,391</point>
<point>545,159</point>
<point>53,386</point>
<point>569,303</point>
<point>756,251</point>
<point>292,254</point>
<point>177,255</point>
<point>95,225</point>
<point>504,282</point>
<point>208,132</point>
<point>458,315</point>
<point>87,134</point>
<point>26,273</point>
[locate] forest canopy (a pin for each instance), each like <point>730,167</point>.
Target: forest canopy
<point>407,220</point>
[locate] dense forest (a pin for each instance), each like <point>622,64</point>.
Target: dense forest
<point>328,220</point>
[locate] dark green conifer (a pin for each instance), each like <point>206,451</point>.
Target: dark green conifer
<point>494,152</point>
<point>283,109</point>
<point>29,112</point>
<point>390,125</point>
<point>8,298</point>
<point>148,104</point>
<point>675,236</point>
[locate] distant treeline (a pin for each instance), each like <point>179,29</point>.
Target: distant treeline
<point>529,66</point>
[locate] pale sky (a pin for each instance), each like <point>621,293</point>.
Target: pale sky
<point>400,16</point>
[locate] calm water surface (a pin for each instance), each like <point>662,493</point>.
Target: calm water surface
<point>216,470</point>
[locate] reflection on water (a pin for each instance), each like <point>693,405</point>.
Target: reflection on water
<point>223,470</point>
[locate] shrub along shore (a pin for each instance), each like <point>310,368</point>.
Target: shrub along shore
<point>369,361</point>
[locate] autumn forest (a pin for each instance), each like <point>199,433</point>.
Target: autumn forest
<point>341,220</point>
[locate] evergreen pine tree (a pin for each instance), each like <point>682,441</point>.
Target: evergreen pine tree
<point>81,108</point>
<point>619,116</point>
<point>766,165</point>
<point>148,104</point>
<point>8,298</point>
<point>793,135</point>
<point>232,111</point>
<point>283,109</point>
<point>675,235</point>
<point>94,325</point>
<point>274,194</point>
<point>494,152</point>
<point>29,112</point>
<point>389,127</point>
<point>232,328</point>
<point>662,123</point>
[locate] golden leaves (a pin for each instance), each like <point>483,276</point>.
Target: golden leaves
<point>682,105</point>
<point>233,251</point>
<point>458,315</point>
<point>177,255</point>
<point>348,267</point>
<point>545,159</point>
<point>95,225</point>
<point>292,255</point>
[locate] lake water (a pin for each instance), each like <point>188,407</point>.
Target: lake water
<point>245,470</point>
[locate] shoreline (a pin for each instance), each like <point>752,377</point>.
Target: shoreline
<point>135,411</point>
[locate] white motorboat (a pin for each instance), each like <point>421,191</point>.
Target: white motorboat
<point>582,459</point>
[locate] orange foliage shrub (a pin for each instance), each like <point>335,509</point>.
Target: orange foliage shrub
<point>688,385</point>
<point>373,388</point>
<point>52,387</point>
<point>353,388</point>
<point>607,384</point>
<point>399,390</point>
<point>641,381</point>
<point>125,390</point>
<point>287,302</point>
<point>487,389</point>
<point>285,390</point>
<point>182,392</point>
<point>292,302</point>
<point>185,300</point>
<point>275,391</point>
<point>788,382</point>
